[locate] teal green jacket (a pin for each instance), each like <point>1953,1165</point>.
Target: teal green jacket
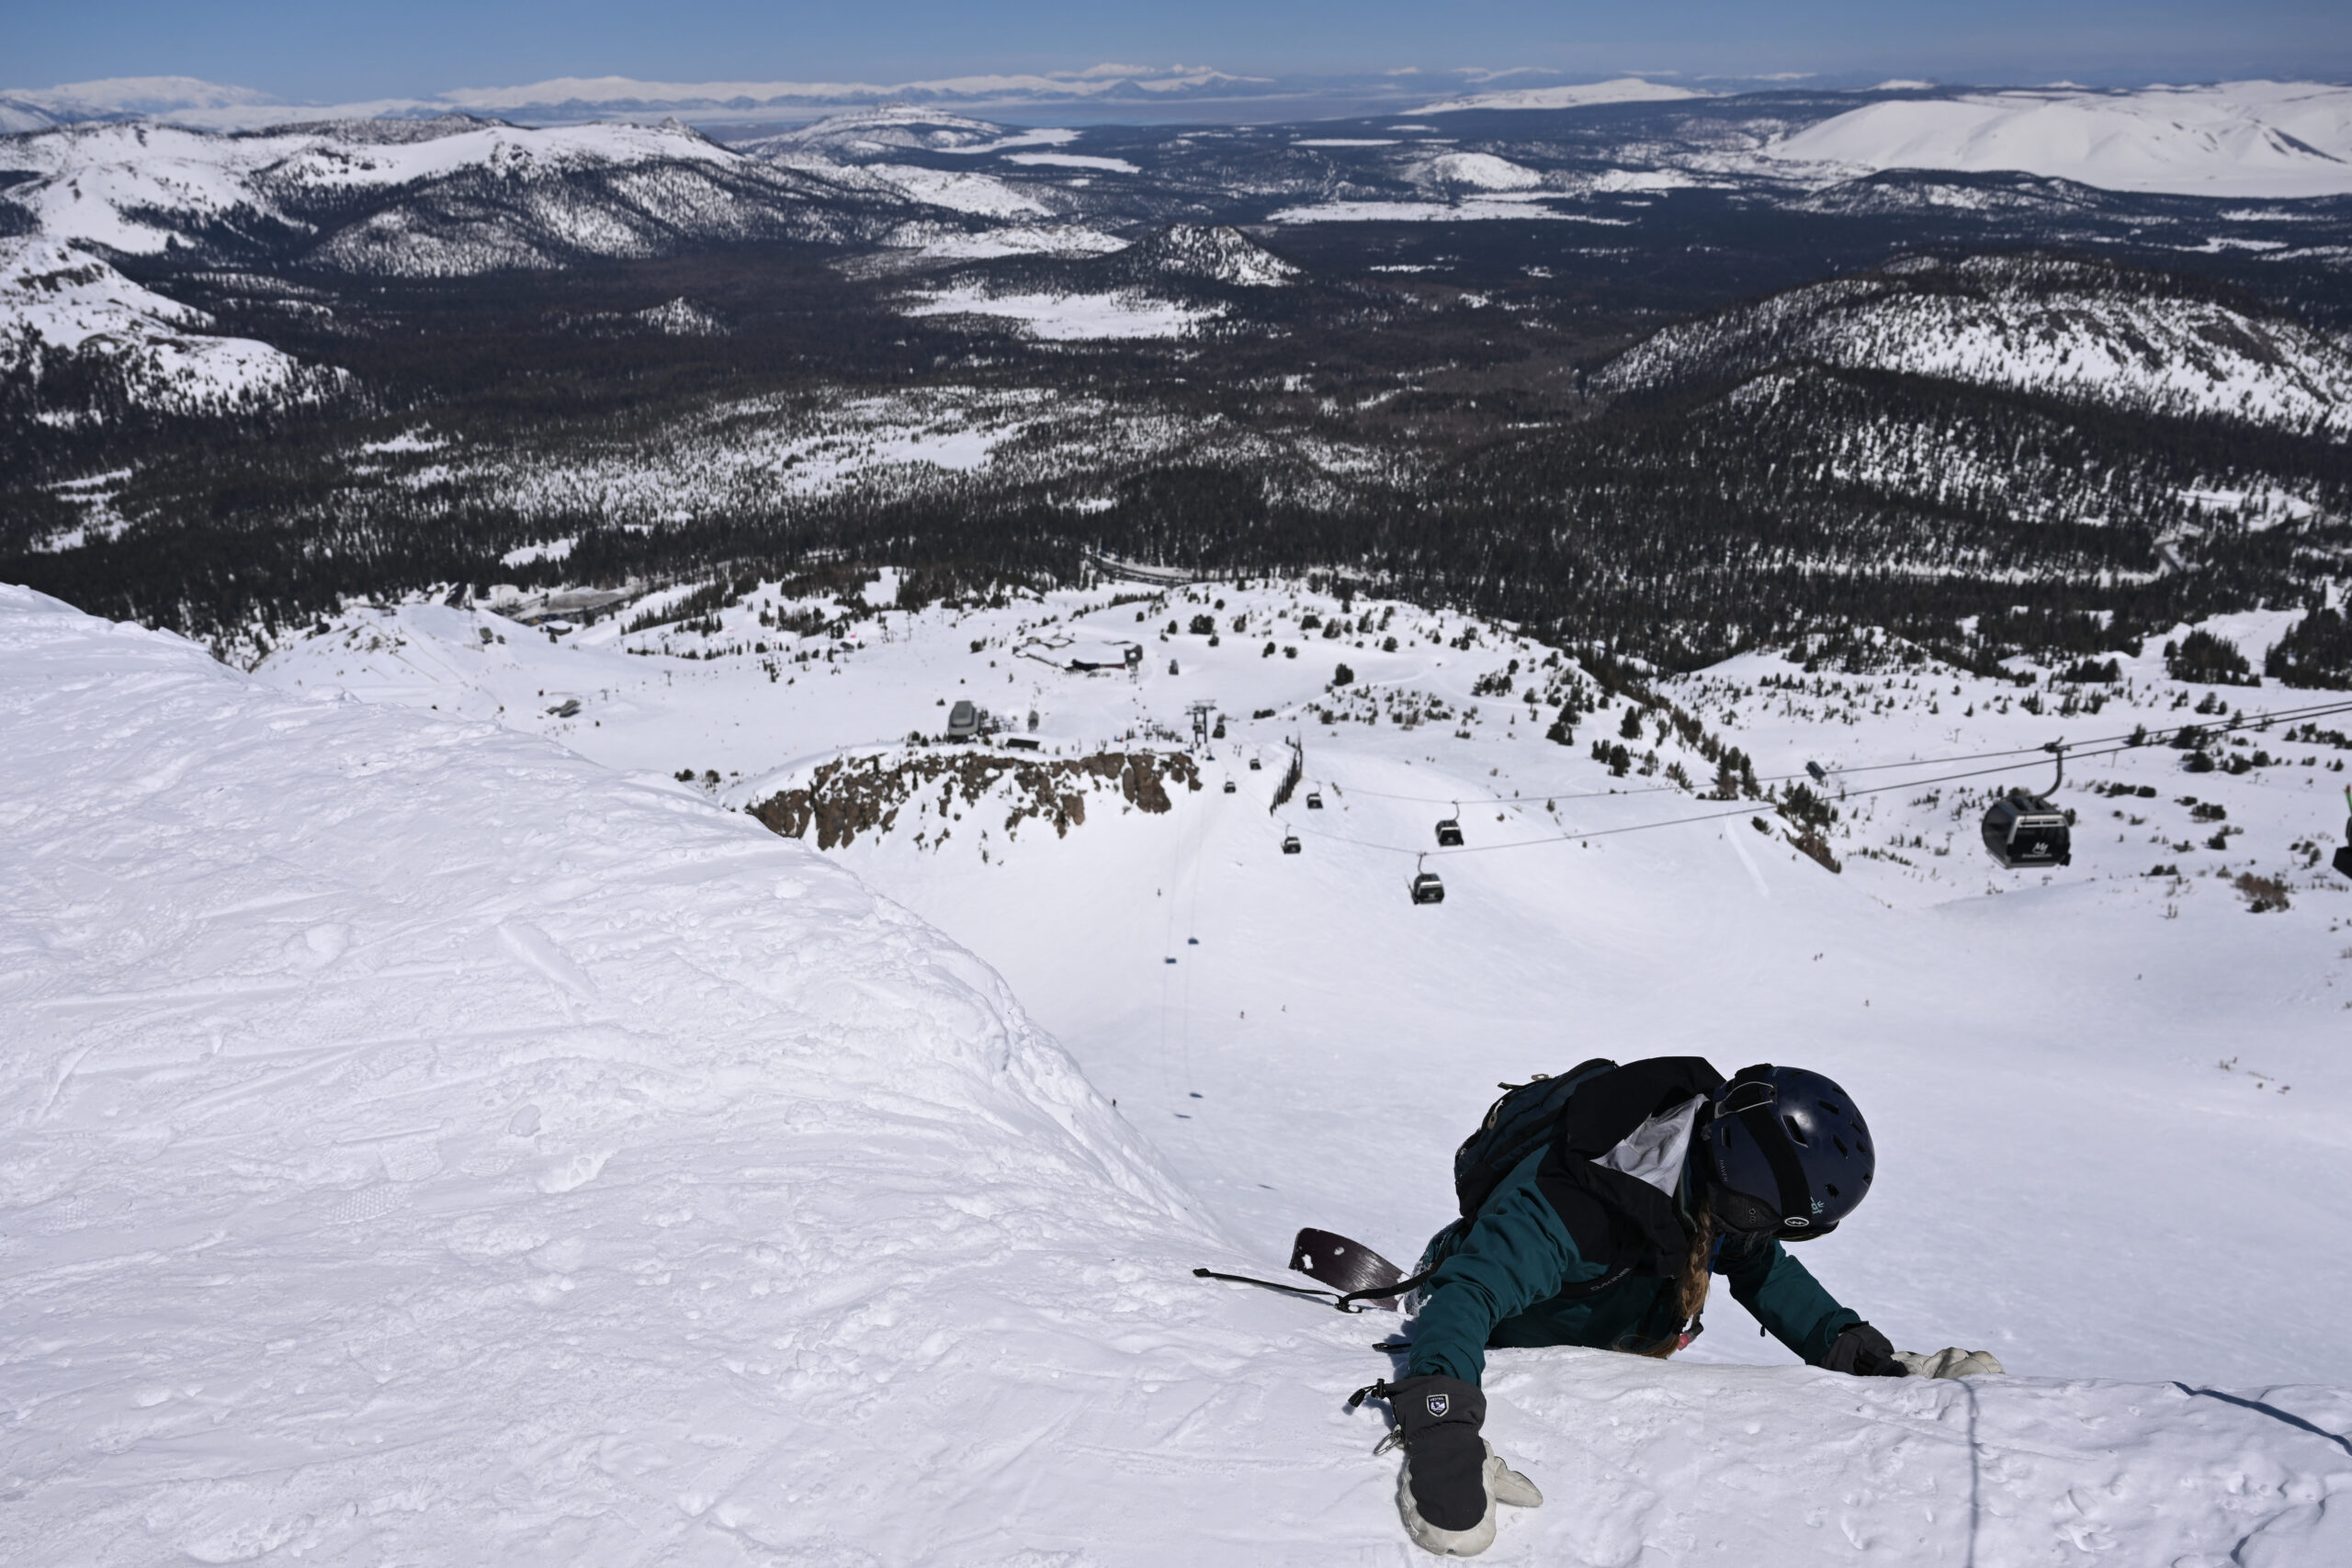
<point>1498,1275</point>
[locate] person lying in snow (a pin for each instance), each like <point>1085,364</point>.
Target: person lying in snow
<point>1661,1175</point>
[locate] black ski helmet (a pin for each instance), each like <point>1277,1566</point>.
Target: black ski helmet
<point>1786,1152</point>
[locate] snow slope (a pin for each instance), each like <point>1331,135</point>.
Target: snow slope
<point>428,1145</point>
<point>2074,330</point>
<point>1399,1020</point>
<point>2235,139</point>
<point>425,1144</point>
<point>59,303</point>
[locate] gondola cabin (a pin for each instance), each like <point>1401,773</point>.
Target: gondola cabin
<point>1449,833</point>
<point>1314,801</point>
<point>1427,888</point>
<point>1290,843</point>
<point>2025,831</point>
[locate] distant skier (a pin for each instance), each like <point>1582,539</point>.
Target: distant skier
<point>1626,1188</point>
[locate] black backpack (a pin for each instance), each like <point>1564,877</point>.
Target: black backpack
<point>1527,1117</point>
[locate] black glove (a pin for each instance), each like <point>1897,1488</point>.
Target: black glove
<point>1446,1458</point>
<point>1864,1353</point>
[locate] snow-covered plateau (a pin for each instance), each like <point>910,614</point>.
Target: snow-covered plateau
<point>2255,139</point>
<point>440,1134</point>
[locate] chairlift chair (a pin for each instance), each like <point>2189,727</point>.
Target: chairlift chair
<point>1314,800</point>
<point>1255,765</point>
<point>1290,843</point>
<point>1425,886</point>
<point>1449,829</point>
<point>2023,829</point>
<point>1229,786</point>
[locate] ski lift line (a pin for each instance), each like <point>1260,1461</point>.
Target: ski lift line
<point>2250,721</point>
<point>2154,737</point>
<point>1748,808</point>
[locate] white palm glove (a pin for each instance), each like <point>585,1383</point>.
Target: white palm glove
<point>1502,1484</point>
<point>1951,1362</point>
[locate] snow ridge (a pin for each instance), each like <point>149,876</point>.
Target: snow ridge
<point>541,1153</point>
<point>2081,331</point>
<point>467,196</point>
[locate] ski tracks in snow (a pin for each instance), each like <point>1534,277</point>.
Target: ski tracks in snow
<point>428,1146</point>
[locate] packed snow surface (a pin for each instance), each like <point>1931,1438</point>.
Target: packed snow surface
<point>436,1143</point>
<point>2237,139</point>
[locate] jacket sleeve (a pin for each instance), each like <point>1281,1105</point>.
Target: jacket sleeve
<point>1788,1302</point>
<point>1516,1252</point>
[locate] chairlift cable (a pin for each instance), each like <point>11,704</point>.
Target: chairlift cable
<point>2249,721</point>
<point>1751,807</point>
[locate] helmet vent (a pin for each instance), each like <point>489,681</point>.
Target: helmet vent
<point>1833,1190</point>
<point>1833,1110</point>
<point>1841,1144</point>
<point>1796,1134</point>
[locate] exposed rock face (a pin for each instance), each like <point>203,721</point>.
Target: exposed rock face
<point>864,794</point>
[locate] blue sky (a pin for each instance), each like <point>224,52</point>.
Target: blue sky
<point>331,51</point>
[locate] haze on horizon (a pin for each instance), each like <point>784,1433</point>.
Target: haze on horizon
<point>1298,51</point>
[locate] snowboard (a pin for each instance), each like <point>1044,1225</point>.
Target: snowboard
<point>1346,1266</point>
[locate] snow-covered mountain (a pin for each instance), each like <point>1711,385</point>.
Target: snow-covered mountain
<point>66,313</point>
<point>516,1147</point>
<point>2073,330</point>
<point>449,197</point>
<point>1206,254</point>
<point>2238,139</point>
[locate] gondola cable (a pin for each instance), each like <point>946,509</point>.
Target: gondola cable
<point>2247,721</point>
<point>1745,809</point>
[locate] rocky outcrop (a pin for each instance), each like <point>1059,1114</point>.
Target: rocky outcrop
<point>867,795</point>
